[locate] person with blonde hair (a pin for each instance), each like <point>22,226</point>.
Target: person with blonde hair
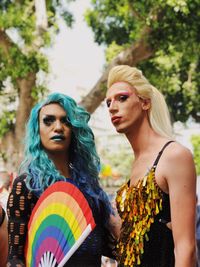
<point>157,205</point>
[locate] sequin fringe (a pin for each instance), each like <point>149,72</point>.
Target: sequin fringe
<point>137,206</point>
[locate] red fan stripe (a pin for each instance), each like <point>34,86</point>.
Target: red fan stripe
<point>61,197</point>
<point>67,188</point>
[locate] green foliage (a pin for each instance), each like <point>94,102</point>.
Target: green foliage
<point>112,51</point>
<point>196,147</point>
<point>24,64</point>
<point>38,92</point>
<point>6,122</point>
<point>21,17</point>
<point>178,79</point>
<point>20,46</point>
<point>173,35</point>
<point>68,18</point>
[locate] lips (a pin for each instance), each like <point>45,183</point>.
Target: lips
<point>58,138</point>
<point>116,119</point>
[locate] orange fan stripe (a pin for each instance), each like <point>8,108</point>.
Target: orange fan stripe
<point>70,189</point>
<point>62,197</point>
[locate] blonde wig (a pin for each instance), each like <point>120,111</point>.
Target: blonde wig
<point>158,114</point>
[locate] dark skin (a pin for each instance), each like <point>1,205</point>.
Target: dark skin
<point>4,240</point>
<point>55,134</point>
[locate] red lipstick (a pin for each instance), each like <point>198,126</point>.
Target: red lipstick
<point>115,119</point>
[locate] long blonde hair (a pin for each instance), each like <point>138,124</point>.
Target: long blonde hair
<point>158,114</point>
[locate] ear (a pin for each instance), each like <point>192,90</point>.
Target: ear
<point>146,104</point>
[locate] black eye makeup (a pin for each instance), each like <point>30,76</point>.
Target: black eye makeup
<point>65,121</point>
<point>123,97</point>
<point>108,103</point>
<point>48,120</point>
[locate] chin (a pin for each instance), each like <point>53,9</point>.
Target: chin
<point>57,149</point>
<point>120,130</point>
<point>123,130</point>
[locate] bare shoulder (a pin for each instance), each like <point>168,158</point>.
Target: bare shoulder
<point>178,153</point>
<point>176,166</point>
<point>179,163</point>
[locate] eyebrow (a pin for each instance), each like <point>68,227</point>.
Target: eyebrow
<point>121,93</point>
<point>53,116</point>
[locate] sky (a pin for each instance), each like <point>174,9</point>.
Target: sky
<point>76,63</point>
<point>75,60</point>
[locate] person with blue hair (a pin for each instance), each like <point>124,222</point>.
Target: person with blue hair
<point>59,146</point>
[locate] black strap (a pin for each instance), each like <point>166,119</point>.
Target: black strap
<point>160,153</point>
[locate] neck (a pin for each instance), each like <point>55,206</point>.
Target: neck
<point>61,161</point>
<point>142,138</point>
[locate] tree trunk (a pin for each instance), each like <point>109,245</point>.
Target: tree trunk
<point>41,16</point>
<point>131,56</point>
<point>11,145</point>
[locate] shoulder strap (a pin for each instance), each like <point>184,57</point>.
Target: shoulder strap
<point>160,153</point>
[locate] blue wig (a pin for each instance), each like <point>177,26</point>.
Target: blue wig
<point>84,161</point>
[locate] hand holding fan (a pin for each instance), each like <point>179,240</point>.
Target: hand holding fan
<point>59,223</point>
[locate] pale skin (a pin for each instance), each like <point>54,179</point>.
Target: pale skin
<point>175,173</point>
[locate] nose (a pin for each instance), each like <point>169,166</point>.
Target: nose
<point>113,107</point>
<point>58,126</point>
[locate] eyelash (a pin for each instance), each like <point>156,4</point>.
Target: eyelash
<point>123,98</point>
<point>65,121</point>
<point>108,103</point>
<point>49,121</point>
<point>120,98</point>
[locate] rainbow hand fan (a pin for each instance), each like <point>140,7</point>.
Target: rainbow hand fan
<point>59,223</point>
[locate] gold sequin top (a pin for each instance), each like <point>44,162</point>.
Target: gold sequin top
<point>138,207</point>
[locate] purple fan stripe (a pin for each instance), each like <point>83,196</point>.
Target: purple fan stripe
<point>49,244</point>
<point>57,234</point>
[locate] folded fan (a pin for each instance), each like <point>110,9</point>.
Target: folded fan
<point>59,223</point>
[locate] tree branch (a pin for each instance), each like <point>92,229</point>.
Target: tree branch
<point>25,103</point>
<point>5,43</point>
<point>130,56</point>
